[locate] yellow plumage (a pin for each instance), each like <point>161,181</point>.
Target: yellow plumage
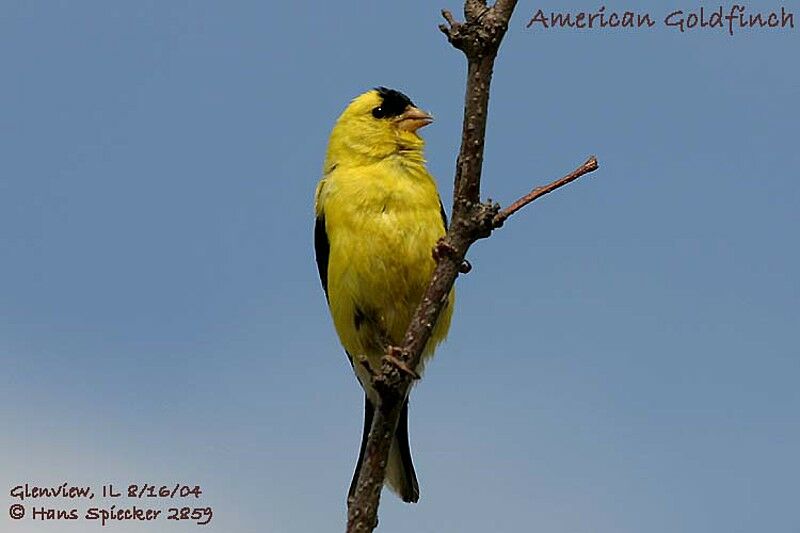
<point>378,208</point>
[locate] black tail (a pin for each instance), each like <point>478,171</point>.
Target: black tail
<point>400,475</point>
<point>368,412</point>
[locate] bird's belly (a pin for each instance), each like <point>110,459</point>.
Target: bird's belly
<point>379,269</point>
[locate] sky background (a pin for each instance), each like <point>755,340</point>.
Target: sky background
<point>623,357</point>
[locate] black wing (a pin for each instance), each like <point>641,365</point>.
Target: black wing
<point>322,248</point>
<point>444,214</point>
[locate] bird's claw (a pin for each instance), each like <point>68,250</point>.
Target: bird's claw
<point>443,249</point>
<point>393,359</point>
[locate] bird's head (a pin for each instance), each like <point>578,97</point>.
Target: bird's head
<point>377,124</point>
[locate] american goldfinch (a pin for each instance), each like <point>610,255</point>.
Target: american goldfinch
<point>378,218</point>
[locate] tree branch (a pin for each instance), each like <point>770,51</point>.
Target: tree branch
<point>590,165</point>
<point>479,37</point>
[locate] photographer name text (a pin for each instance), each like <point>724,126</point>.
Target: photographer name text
<point>138,502</point>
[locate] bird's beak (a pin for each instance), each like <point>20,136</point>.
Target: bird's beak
<point>413,119</point>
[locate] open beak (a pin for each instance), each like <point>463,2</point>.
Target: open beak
<point>413,119</point>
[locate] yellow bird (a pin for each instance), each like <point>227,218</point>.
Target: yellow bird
<point>378,217</point>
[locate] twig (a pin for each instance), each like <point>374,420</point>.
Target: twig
<point>589,166</point>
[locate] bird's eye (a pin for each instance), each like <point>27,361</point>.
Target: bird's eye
<point>378,112</point>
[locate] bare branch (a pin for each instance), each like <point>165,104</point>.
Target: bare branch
<point>504,8</point>
<point>479,38</point>
<point>589,166</point>
<point>451,21</point>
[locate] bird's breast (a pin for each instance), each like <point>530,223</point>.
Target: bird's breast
<point>382,234</point>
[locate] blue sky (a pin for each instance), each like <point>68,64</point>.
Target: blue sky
<point>623,357</point>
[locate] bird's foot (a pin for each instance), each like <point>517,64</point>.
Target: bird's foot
<point>393,357</point>
<point>443,249</point>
